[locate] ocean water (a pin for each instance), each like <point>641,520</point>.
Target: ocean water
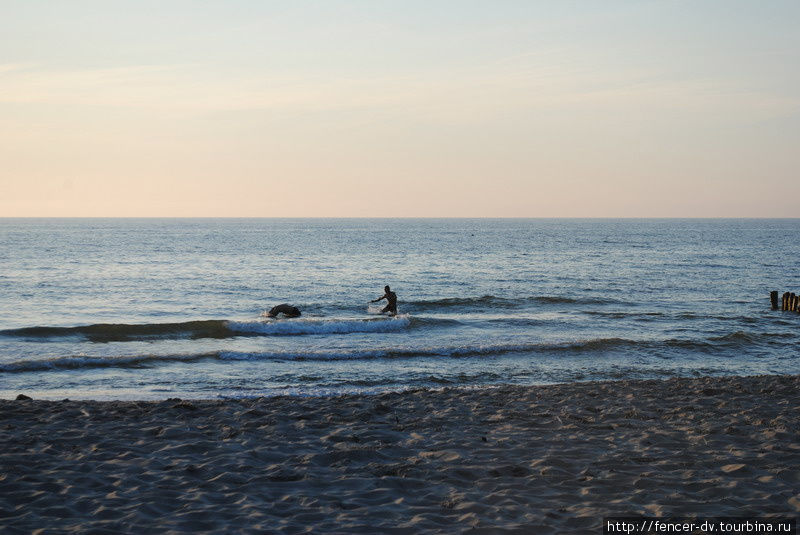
<point>157,308</point>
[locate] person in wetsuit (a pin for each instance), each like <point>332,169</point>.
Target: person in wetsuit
<point>391,299</point>
<point>287,310</point>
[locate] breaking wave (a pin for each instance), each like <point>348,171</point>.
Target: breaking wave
<point>593,346</point>
<point>112,332</point>
<point>297,327</point>
<point>121,332</point>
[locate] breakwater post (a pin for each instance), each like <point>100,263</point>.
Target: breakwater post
<point>789,301</point>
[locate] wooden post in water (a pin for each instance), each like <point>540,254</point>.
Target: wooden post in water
<point>790,302</point>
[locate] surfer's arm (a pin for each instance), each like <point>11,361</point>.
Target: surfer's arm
<point>378,299</point>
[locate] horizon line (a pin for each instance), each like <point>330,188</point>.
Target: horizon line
<point>398,217</point>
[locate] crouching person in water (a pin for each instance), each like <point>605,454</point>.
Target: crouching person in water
<point>287,310</point>
<point>391,299</point>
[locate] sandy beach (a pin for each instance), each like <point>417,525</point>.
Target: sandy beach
<point>547,459</point>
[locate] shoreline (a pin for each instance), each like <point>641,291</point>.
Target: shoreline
<point>535,459</point>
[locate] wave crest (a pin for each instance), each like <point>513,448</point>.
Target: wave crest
<point>123,332</point>
<point>313,326</point>
<point>119,332</point>
<point>491,301</point>
<point>594,346</point>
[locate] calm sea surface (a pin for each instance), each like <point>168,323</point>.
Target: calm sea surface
<point>156,308</point>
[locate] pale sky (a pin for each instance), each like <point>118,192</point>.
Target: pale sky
<point>400,109</point>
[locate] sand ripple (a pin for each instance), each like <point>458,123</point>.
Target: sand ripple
<point>548,459</point>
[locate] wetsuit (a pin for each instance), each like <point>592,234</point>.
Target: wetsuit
<point>391,306</point>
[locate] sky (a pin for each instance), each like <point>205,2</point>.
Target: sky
<point>406,108</point>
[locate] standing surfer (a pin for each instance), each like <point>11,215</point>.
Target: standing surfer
<point>391,299</point>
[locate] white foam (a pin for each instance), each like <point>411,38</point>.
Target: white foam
<point>304,355</point>
<point>315,326</point>
<point>84,361</point>
<point>379,353</point>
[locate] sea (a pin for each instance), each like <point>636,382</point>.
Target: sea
<point>165,308</point>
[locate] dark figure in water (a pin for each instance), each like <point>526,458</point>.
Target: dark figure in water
<point>287,310</point>
<point>391,299</point>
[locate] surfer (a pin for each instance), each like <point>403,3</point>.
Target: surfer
<point>287,310</point>
<point>391,299</point>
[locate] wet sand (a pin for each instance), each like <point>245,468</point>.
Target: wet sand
<point>549,459</point>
